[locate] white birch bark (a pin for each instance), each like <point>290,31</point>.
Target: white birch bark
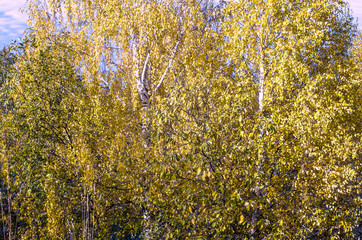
<point>142,86</point>
<point>261,156</point>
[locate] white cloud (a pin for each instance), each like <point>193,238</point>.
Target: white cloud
<point>6,5</point>
<point>15,14</point>
<point>356,6</point>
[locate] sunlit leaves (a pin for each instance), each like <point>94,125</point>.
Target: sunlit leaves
<point>184,120</point>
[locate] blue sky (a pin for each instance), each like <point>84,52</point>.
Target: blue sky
<point>13,22</point>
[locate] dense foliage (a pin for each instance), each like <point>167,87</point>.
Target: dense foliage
<point>182,119</point>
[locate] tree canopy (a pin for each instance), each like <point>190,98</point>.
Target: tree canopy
<point>182,119</point>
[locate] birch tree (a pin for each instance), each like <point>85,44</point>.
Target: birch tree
<point>184,120</point>
<point>297,53</point>
<point>135,50</point>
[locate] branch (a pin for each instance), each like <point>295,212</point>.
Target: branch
<point>119,99</point>
<point>165,72</point>
<point>145,68</point>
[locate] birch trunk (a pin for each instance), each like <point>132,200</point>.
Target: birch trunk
<point>261,154</point>
<point>142,84</point>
